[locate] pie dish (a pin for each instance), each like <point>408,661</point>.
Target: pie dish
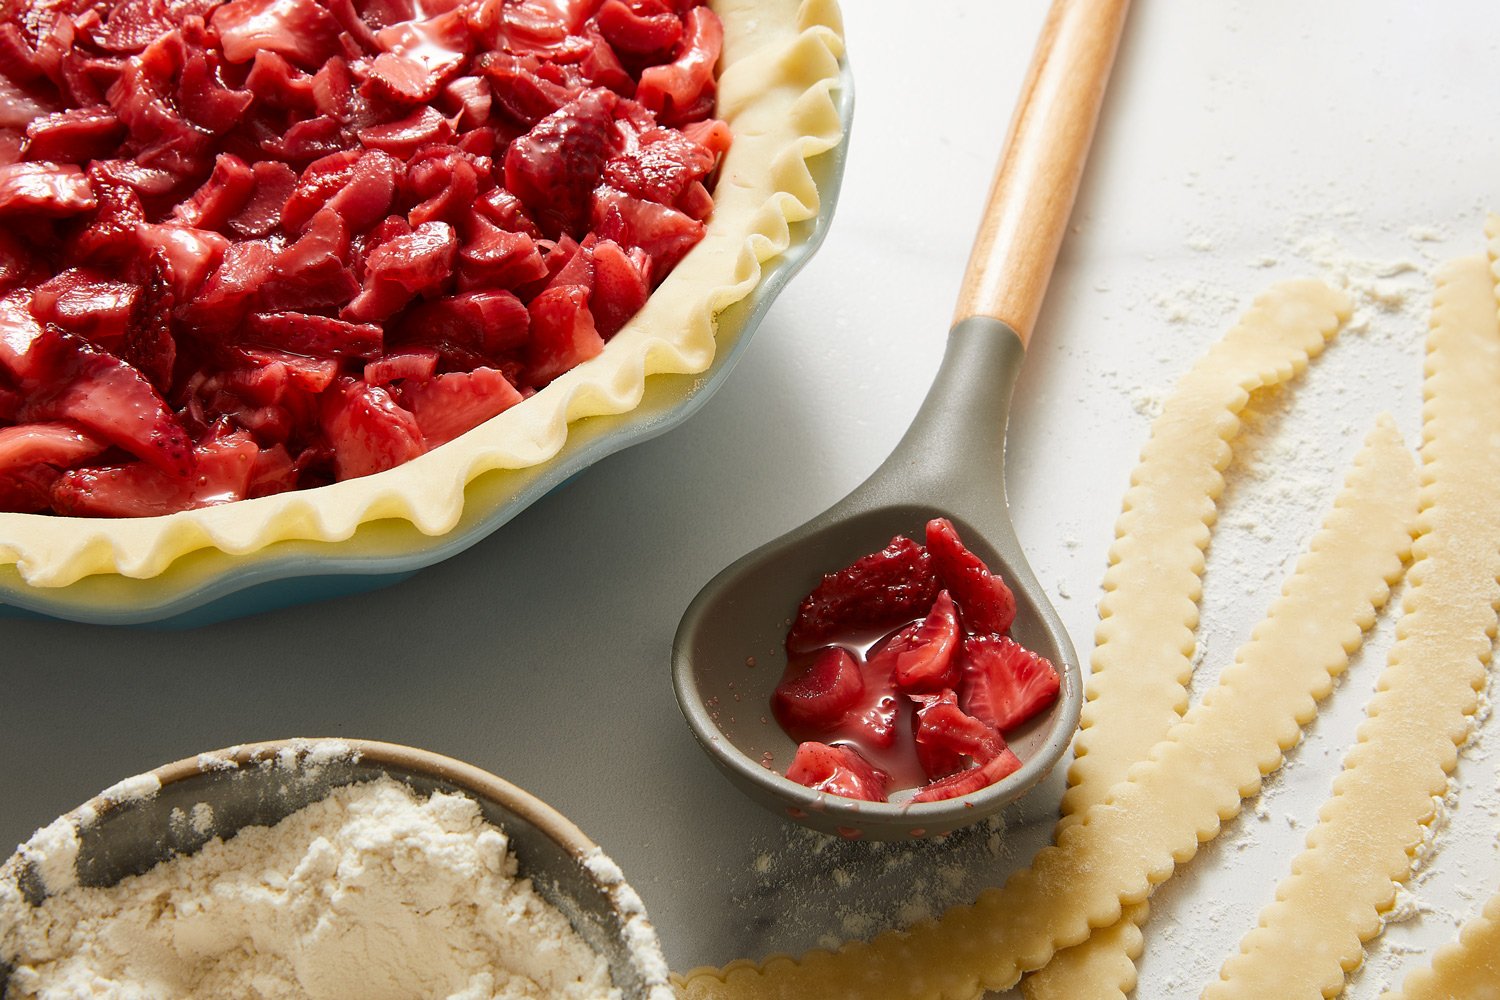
<point>786,98</point>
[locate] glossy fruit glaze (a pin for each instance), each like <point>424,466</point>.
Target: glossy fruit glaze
<point>265,245</point>
<point>902,677</point>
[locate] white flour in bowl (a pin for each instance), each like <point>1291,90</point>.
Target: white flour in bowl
<point>371,892</point>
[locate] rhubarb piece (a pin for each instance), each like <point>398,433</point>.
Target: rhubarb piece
<point>1004,683</point>
<point>986,603</point>
<point>59,445</point>
<point>838,770</point>
<point>51,189</point>
<point>817,692</point>
<point>875,593</point>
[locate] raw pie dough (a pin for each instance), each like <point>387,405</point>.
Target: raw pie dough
<point>1138,674</point>
<point>779,65</point>
<point>1155,819</point>
<point>1368,832</point>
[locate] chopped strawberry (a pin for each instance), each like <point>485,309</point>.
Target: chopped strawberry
<point>451,404</point>
<point>816,692</point>
<point>222,470</point>
<point>311,375</point>
<point>108,398</point>
<point>554,168</point>
<point>88,303</point>
<point>984,601</point>
<point>496,258</point>
<point>368,431</point>
<point>838,770</point>
<point>59,445</point>
<point>921,655</point>
<point>620,288</point>
<point>661,231</point>
<point>1004,683</point>
<point>191,254</point>
<point>945,735</point>
<point>563,335</point>
<point>970,780</point>
<point>485,324</point>
<point>400,269</point>
<point>875,593</point>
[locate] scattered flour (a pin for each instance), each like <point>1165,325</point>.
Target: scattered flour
<point>371,892</point>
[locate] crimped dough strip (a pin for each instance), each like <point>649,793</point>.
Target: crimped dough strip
<point>1368,832</point>
<point>1468,969</point>
<point>1169,803</point>
<point>779,65</point>
<point>1138,674</point>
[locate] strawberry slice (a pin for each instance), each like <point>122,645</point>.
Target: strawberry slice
<point>875,593</point>
<point>838,771</point>
<point>563,334</point>
<point>554,168</point>
<point>1004,683</point>
<point>319,336</point>
<point>970,780</point>
<point>986,603</point>
<point>368,431</point>
<point>88,303</point>
<point>620,288</point>
<point>816,693</point>
<point>921,654</point>
<point>945,735</point>
<point>222,469</point>
<point>451,404</point>
<point>108,398</point>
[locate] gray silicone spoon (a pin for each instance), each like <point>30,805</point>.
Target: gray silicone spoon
<point>728,653</point>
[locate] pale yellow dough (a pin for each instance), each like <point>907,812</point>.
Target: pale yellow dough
<point>1468,969</point>
<point>1138,674</point>
<point>780,64</point>
<point>1368,832</point>
<point>1170,802</point>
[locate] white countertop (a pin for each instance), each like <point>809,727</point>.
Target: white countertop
<point>1241,143</point>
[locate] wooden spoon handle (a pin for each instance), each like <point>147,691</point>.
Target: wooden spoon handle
<point>1037,179</point>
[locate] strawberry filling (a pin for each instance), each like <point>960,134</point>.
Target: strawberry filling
<point>263,245</point>
<point>925,706</point>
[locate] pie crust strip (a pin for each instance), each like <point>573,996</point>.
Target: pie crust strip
<point>1169,803</point>
<point>1468,968</point>
<point>1138,674</point>
<point>1370,828</point>
<point>779,67</point>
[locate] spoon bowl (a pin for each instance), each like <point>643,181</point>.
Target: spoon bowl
<point>729,652</point>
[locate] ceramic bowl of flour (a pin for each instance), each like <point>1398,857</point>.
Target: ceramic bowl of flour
<point>357,866</point>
